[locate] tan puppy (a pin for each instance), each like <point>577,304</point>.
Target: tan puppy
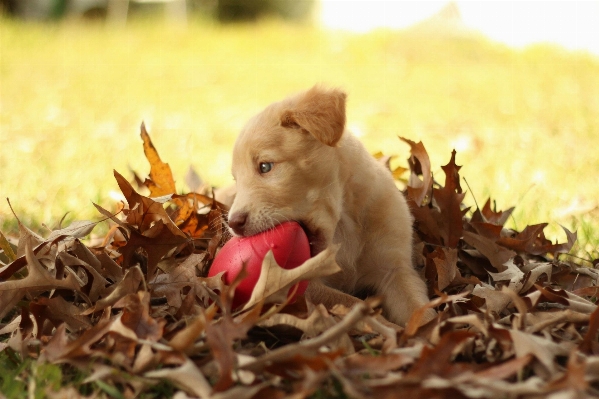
<point>293,161</point>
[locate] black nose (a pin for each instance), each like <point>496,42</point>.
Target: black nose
<point>237,222</point>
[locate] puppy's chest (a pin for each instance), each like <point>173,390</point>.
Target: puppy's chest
<point>349,234</point>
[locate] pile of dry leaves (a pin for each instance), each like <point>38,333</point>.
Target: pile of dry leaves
<point>135,308</point>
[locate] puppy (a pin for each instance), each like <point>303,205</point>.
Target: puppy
<point>295,161</point>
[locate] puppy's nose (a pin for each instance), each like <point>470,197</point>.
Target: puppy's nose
<point>237,222</point>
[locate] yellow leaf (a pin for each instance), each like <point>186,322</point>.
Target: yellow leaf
<point>10,254</point>
<point>161,178</point>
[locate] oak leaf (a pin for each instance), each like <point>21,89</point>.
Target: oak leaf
<point>274,281</point>
<point>497,255</point>
<point>38,279</point>
<point>187,376</point>
<point>420,165</point>
<point>129,284</point>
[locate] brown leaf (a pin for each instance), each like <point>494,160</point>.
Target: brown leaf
<point>187,376</point>
<point>217,218</point>
<point>542,349</point>
<point>589,343</point>
<point>420,316</point>
<point>98,259</point>
<point>532,240</point>
<point>496,254</point>
<point>419,190</point>
<point>128,285</point>
<point>59,310</point>
<point>9,270</point>
<point>317,323</point>
<point>77,229</point>
<point>96,285</point>
<point>183,275</point>
<point>27,238</point>
<point>450,225</point>
<point>487,230</point>
<point>9,299</point>
<point>492,216</point>
<point>475,262</point>
<point>512,275</point>
<point>495,300</point>
<point>143,212</point>
<point>220,337</point>
<point>574,378</point>
<point>533,272</point>
<point>298,363</point>
<point>185,338</point>
<point>151,230</point>
<point>439,360</point>
<point>452,175</point>
<point>274,281</point>
<point>591,291</point>
<point>445,260</point>
<point>145,359</point>
<point>376,365</point>
<point>182,324</point>
<point>540,321</point>
<point>38,279</point>
<point>566,298</point>
<point>60,348</point>
<point>136,317</point>
<point>524,240</point>
<point>357,313</point>
<point>487,383</point>
<point>448,222</point>
<point>425,221</point>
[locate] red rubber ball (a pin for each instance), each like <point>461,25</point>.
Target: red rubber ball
<point>289,246</point>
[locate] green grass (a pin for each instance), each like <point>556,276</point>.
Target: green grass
<point>20,379</point>
<point>525,123</point>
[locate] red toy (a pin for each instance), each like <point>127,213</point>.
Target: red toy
<point>289,246</point>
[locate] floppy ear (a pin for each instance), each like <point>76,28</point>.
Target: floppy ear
<point>320,112</point>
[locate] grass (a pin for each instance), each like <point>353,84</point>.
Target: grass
<point>21,379</point>
<point>525,123</point>
<point>34,379</point>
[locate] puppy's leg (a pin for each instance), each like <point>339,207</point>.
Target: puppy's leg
<point>392,276</point>
<point>319,293</point>
<point>404,292</point>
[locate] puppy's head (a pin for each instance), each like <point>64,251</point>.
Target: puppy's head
<point>285,166</point>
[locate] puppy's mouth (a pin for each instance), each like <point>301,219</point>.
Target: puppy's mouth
<point>315,238</point>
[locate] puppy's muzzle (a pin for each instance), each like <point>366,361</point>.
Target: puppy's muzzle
<point>237,222</point>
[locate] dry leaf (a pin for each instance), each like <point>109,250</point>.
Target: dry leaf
<point>187,376</point>
<point>419,190</point>
<point>128,285</point>
<point>509,312</point>
<point>274,281</point>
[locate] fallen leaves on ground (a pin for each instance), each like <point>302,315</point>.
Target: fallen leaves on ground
<point>515,319</point>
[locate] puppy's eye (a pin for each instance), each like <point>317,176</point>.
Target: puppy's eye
<point>265,167</point>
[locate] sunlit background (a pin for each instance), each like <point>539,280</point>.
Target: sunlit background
<point>512,86</point>
<point>571,24</point>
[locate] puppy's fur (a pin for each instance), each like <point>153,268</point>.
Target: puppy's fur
<point>295,161</point>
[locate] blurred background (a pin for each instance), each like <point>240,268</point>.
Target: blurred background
<point>512,86</point>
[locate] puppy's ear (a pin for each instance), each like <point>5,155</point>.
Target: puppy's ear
<point>319,111</point>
